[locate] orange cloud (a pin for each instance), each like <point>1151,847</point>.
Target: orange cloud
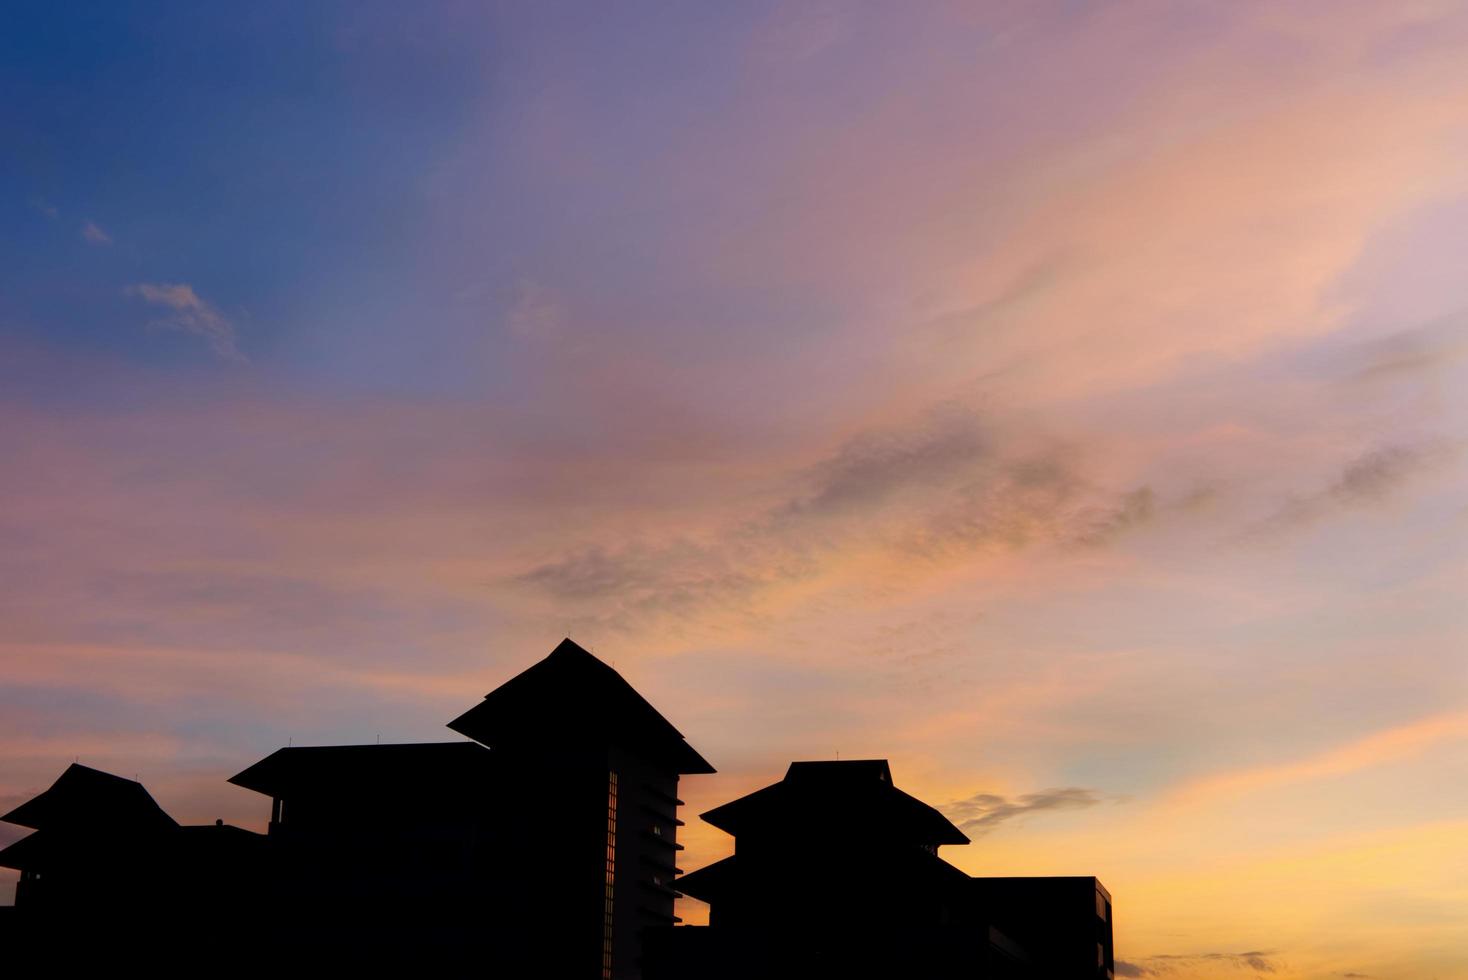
<point>1373,750</point>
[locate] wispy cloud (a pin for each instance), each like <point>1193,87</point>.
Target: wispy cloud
<point>1411,352</point>
<point>697,424</point>
<point>94,235</point>
<point>1167,964</point>
<point>927,494</point>
<point>191,314</point>
<point>1388,745</point>
<point>983,813</point>
<point>1037,499</point>
<point>1371,478</point>
<point>49,210</point>
<point>872,467</point>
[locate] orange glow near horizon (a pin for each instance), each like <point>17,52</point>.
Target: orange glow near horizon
<point>1065,402</point>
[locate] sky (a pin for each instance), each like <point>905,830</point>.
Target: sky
<point>1065,401</point>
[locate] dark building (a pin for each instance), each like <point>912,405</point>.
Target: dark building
<point>836,874</point>
<point>548,843</point>
<point>601,766</point>
<point>872,848</point>
<point>91,829</point>
<point>394,841</point>
<point>1064,923</point>
<point>103,852</point>
<point>547,847</point>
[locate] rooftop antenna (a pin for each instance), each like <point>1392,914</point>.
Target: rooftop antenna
<point>379,738</point>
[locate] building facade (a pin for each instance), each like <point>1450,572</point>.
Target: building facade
<point>546,845</point>
<point>571,732</point>
<point>836,873</point>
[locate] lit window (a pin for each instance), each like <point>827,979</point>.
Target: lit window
<point>611,877</point>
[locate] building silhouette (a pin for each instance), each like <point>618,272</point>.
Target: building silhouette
<point>603,766</point>
<point>101,843</point>
<point>836,873</point>
<point>545,847</point>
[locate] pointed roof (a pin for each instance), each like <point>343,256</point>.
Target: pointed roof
<point>572,698</point>
<point>855,796</point>
<point>287,772</point>
<point>86,796</point>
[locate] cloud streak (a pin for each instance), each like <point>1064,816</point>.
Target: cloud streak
<point>899,389</point>
<point>927,495</point>
<point>1167,964</point>
<point>870,468</point>
<point>1409,354</point>
<point>984,813</point>
<point>1370,479</point>
<point>190,314</point>
<point>1378,748</point>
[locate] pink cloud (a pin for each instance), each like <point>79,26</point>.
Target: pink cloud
<point>191,314</point>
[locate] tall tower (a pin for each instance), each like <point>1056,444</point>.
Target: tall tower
<point>588,777</point>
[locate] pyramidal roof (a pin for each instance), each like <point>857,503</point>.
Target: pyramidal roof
<point>851,797</point>
<point>572,698</point>
<point>83,795</point>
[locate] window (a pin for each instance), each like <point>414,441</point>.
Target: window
<point>611,877</point>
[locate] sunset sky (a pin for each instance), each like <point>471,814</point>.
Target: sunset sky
<point>1065,401</point>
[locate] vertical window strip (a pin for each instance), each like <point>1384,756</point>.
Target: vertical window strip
<point>611,879</point>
